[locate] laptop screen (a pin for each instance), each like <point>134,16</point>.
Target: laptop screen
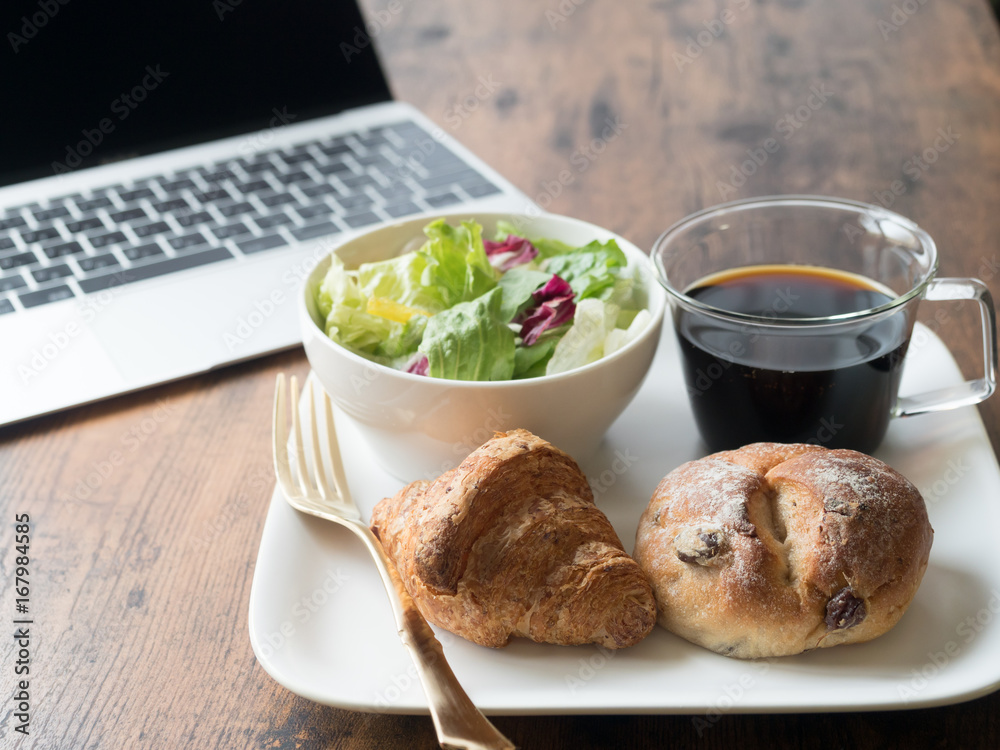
<point>83,83</point>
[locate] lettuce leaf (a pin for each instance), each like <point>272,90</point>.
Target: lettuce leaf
<point>518,286</point>
<point>470,341</point>
<point>591,270</point>
<point>343,305</point>
<point>400,279</point>
<point>457,266</point>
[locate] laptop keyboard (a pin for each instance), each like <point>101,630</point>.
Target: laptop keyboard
<point>262,201</point>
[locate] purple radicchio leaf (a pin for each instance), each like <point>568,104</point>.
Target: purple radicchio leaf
<point>513,251</point>
<point>418,365</point>
<point>552,305</point>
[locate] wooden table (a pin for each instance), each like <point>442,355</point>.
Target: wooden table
<point>629,115</point>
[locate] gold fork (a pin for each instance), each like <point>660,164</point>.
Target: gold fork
<point>459,724</point>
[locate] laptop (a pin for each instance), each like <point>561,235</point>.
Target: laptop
<point>171,172</point>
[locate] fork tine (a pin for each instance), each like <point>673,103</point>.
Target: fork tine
<point>325,489</point>
<point>280,434</point>
<point>300,454</point>
<point>336,460</point>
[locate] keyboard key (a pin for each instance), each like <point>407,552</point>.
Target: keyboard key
<point>189,220</point>
<point>236,209</point>
<point>44,296</point>
<point>188,240</point>
<point>7,283</point>
<point>358,181</point>
<point>6,243</point>
<point>314,211</point>
<point>445,199</point>
<point>95,262</point>
<point>47,214</point>
<point>230,230</point>
<point>480,189</point>
<point>90,204</point>
<point>314,191</point>
<point>297,157</point>
<point>103,240</point>
<point>152,270</point>
<point>210,196</point>
<point>9,222</point>
<point>6,306</point>
<point>315,230</point>
<point>148,230</point>
<point>173,204</point>
<point>253,187</point>
<point>402,209</point>
<point>65,248</point>
<point>134,195</point>
<point>142,251</point>
<point>129,214</point>
<point>253,167</point>
<point>93,222</point>
<point>37,235</point>
<point>292,177</point>
<point>257,244</point>
<point>273,220</point>
<point>361,220</point>
<point>21,259</point>
<point>361,200</point>
<point>51,273</point>
<point>334,167</point>
<point>437,180</point>
<point>176,185</point>
<point>336,148</point>
<point>278,199</point>
<point>219,175</point>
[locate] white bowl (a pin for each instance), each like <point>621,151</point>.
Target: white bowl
<point>418,427</point>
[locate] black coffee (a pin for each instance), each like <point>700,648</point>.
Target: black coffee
<point>749,383</point>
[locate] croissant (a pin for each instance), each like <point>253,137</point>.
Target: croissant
<point>511,544</point>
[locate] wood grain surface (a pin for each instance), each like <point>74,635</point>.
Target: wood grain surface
<point>629,115</point>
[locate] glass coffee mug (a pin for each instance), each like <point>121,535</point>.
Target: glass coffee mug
<point>794,314</point>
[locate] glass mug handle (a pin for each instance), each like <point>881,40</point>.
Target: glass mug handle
<point>971,391</point>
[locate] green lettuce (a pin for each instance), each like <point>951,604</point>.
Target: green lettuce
<point>470,341</point>
<point>457,266</point>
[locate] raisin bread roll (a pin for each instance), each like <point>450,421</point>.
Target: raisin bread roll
<point>509,544</point>
<point>771,549</point>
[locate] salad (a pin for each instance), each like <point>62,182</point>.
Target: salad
<point>466,308</point>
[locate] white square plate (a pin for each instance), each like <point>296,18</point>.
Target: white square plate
<point>320,623</point>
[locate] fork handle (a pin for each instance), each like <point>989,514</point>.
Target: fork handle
<point>459,724</point>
